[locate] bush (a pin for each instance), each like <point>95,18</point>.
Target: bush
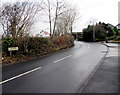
<point>39,45</point>
<point>64,41</point>
<point>35,46</point>
<point>112,38</point>
<point>115,41</point>
<point>79,38</point>
<point>6,43</point>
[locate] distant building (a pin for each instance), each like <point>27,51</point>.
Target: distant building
<point>43,34</point>
<point>118,26</point>
<point>111,26</point>
<point>77,35</point>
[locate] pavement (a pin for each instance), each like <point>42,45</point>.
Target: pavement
<point>61,72</point>
<point>106,79</point>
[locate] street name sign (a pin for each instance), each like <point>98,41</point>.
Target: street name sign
<point>12,48</point>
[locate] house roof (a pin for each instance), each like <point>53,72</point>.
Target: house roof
<point>45,32</point>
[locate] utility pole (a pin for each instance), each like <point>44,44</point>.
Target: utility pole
<point>93,32</point>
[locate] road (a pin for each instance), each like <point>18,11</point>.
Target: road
<point>62,72</point>
<point>106,78</point>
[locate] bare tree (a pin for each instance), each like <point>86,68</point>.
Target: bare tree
<point>48,8</point>
<point>17,18</point>
<point>66,20</point>
<point>73,17</point>
<point>54,10</point>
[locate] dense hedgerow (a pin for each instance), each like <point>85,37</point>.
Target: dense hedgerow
<point>35,46</point>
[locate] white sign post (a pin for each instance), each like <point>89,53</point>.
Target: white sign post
<point>12,49</point>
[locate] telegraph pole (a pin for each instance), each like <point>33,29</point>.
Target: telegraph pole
<point>93,32</point>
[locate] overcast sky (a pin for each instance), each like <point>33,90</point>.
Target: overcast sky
<point>89,10</point>
<point>97,10</point>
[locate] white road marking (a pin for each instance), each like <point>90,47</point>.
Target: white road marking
<point>20,75</point>
<point>62,59</point>
<point>88,46</point>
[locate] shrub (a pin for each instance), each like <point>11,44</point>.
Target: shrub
<point>64,41</point>
<point>8,42</point>
<point>35,46</point>
<point>115,41</point>
<point>112,38</point>
<point>39,45</point>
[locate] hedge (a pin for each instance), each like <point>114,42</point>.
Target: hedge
<point>35,46</point>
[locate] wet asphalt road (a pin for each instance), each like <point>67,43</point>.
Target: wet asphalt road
<point>60,72</point>
<point>106,78</point>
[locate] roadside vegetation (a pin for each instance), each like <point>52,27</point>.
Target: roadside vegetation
<point>17,19</point>
<point>115,41</point>
<point>102,32</point>
<point>32,47</point>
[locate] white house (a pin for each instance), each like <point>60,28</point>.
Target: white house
<point>44,34</point>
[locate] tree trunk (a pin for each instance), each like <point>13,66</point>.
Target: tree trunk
<point>56,15</point>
